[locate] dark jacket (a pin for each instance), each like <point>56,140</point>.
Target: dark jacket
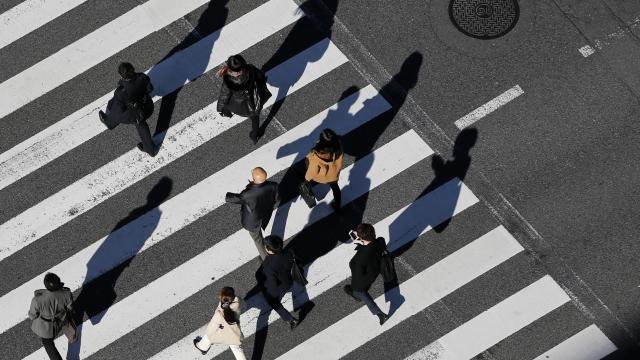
<point>244,95</point>
<point>275,274</point>
<point>258,202</point>
<point>365,265</point>
<point>48,310</point>
<point>128,95</point>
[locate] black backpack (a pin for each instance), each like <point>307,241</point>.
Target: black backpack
<point>387,266</point>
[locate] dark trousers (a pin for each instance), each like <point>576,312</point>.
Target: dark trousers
<point>255,125</point>
<point>143,131</point>
<point>145,137</point>
<point>367,300</point>
<point>50,348</point>
<point>276,305</point>
<point>337,194</point>
<point>258,241</point>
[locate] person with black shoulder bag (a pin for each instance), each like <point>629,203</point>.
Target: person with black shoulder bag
<point>132,104</point>
<point>50,313</point>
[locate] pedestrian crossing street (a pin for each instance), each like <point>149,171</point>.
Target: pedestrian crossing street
<point>146,277</point>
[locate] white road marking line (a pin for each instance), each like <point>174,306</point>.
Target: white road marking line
<point>91,50</point>
<point>200,199</point>
<point>235,251</point>
<point>588,344</point>
<point>610,38</point>
<point>489,107</point>
<point>497,323</point>
<point>586,51</point>
<point>329,270</point>
<point>186,135</point>
<point>422,290</point>
<point>30,15</point>
<point>166,76</point>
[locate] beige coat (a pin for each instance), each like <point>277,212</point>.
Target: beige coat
<point>220,332</point>
<point>323,168</point>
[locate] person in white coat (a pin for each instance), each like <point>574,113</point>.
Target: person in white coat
<point>224,327</point>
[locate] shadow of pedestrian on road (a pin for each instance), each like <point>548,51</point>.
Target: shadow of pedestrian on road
<point>98,291</point>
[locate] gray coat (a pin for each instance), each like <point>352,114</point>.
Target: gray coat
<point>48,310</point>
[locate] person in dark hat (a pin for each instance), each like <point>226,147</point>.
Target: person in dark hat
<point>243,92</point>
<point>131,104</point>
<point>275,277</point>
<point>258,200</point>
<point>48,312</point>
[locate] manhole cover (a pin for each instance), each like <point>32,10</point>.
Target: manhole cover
<point>484,19</point>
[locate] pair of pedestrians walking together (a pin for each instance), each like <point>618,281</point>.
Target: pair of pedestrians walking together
<point>243,92</point>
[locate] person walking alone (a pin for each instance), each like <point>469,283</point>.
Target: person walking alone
<point>243,92</point>
<point>48,312</point>
<point>131,104</point>
<point>275,277</point>
<point>224,327</point>
<point>258,200</point>
<point>324,163</point>
<point>365,268</point>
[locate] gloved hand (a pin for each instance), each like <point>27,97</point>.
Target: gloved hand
<point>225,113</point>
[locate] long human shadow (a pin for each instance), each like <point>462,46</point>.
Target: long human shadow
<point>212,19</point>
<point>304,33</point>
<point>99,294</point>
<point>445,171</point>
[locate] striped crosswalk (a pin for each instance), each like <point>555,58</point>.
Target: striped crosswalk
<point>176,240</point>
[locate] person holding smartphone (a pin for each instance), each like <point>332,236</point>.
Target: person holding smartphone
<point>365,268</point>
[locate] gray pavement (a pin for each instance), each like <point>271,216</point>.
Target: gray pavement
<point>555,166</point>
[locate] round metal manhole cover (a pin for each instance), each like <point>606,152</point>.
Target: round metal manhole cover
<point>484,19</point>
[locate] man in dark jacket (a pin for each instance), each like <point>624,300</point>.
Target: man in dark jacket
<point>243,92</point>
<point>131,104</point>
<point>365,268</point>
<point>48,312</point>
<point>275,277</point>
<point>258,200</point>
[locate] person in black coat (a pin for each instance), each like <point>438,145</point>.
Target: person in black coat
<point>243,92</point>
<point>258,200</point>
<point>131,104</point>
<point>275,277</point>
<point>365,268</point>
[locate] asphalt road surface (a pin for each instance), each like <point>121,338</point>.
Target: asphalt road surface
<point>502,172</point>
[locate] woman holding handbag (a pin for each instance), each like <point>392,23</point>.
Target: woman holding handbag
<point>324,163</point>
<point>224,327</point>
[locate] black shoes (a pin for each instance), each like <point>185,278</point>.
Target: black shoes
<point>383,317</point>
<point>155,149</point>
<point>254,137</point>
<point>103,119</point>
<point>294,323</point>
<point>195,343</point>
<point>347,289</point>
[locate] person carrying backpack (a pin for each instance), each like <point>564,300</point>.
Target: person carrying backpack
<point>131,104</point>
<point>224,327</point>
<point>243,92</point>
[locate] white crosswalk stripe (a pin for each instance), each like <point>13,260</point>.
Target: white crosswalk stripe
<point>229,254</point>
<point>30,15</point>
<point>169,293</point>
<point>167,76</point>
<point>188,134</point>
